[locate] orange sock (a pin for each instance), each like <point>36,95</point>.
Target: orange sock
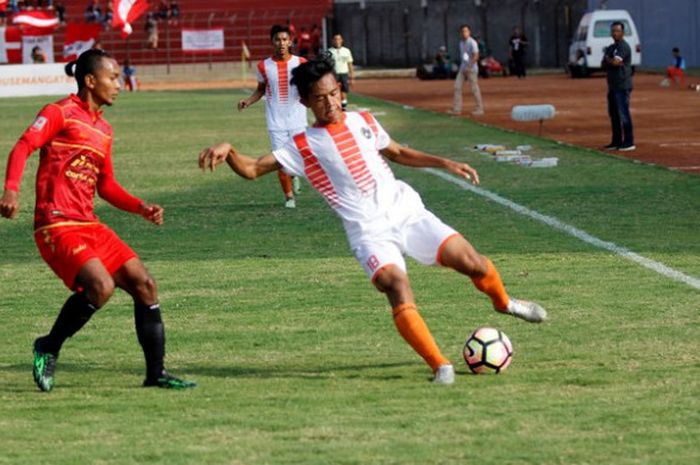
<point>491,285</point>
<point>414,331</point>
<point>286,183</point>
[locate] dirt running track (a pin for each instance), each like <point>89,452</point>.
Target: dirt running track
<point>666,120</point>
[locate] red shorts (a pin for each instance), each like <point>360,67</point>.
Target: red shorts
<point>66,248</point>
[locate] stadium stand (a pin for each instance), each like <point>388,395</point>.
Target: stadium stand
<point>246,21</point>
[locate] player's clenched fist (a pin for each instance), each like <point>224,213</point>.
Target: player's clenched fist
<point>153,213</point>
<point>9,205</point>
<point>213,156</point>
<point>243,104</point>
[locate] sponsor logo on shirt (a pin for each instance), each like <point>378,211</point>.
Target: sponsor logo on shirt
<point>367,133</point>
<point>39,123</point>
<point>80,248</point>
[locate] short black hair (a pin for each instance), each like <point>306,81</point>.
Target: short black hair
<point>87,63</point>
<point>618,23</point>
<point>277,28</point>
<point>307,74</point>
<point>676,50</point>
<point>462,26</point>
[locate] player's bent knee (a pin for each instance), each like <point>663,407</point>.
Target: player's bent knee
<point>391,280</point>
<point>99,290</point>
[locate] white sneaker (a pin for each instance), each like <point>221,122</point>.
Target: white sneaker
<point>478,112</point>
<point>445,374</point>
<point>296,184</point>
<point>526,310</point>
<point>290,203</point>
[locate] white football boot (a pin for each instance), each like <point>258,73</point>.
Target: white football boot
<point>445,374</point>
<point>290,203</point>
<point>526,310</point>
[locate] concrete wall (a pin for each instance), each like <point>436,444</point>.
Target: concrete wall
<point>407,32</point>
<point>662,25</point>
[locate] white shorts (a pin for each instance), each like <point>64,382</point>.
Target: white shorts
<point>421,239</point>
<point>279,138</point>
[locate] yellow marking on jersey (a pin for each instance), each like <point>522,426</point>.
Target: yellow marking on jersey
<point>83,123</point>
<point>79,146</point>
<point>66,223</point>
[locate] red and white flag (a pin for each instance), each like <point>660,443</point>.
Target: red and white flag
<point>126,12</point>
<point>36,22</point>
<point>79,37</point>
<point>10,45</point>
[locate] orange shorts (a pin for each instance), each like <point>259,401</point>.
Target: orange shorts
<point>66,248</point>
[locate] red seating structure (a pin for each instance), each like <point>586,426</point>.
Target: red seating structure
<point>246,21</point>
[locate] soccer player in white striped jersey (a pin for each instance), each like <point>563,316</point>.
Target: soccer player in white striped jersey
<point>285,114</point>
<point>343,157</point>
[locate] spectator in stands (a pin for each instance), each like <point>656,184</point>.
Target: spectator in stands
<point>304,42</point>
<point>38,55</point>
<point>152,30</point>
<point>93,12</point>
<point>107,20</point>
<point>174,13</point>
<point>3,13</point>
<point>60,9</point>
<point>676,72</point>
<point>163,10</point>
<point>316,39</point>
<point>130,76</point>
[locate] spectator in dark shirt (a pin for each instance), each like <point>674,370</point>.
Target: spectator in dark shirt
<point>617,62</point>
<point>304,42</point>
<point>517,45</point>
<point>174,13</point>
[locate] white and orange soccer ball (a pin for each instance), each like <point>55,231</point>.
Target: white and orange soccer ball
<point>488,350</point>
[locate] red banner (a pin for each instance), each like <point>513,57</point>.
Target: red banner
<point>79,37</point>
<point>36,23</point>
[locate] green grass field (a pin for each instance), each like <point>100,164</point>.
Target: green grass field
<point>295,353</point>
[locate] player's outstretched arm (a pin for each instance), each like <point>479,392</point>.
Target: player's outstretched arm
<point>412,157</point>
<point>244,166</point>
<point>254,97</point>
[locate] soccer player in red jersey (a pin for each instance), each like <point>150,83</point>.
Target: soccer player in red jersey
<point>343,156</point>
<point>76,161</point>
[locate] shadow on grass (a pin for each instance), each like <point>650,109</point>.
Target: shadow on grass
<point>187,371</point>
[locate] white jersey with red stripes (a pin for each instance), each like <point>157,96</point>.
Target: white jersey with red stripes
<point>283,109</point>
<point>342,162</point>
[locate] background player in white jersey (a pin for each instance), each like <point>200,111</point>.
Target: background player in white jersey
<point>342,156</point>
<point>285,115</point>
<point>342,56</point>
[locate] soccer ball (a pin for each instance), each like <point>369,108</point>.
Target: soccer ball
<point>488,350</point>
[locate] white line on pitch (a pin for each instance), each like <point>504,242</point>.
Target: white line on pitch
<point>573,231</point>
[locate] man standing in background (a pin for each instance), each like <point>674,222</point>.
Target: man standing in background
<point>469,70</point>
<point>617,62</point>
<point>343,67</point>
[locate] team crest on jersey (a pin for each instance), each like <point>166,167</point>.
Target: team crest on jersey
<point>39,123</point>
<point>367,133</point>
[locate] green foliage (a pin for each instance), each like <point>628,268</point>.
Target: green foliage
<point>295,353</point>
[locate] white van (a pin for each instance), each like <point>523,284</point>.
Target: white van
<point>593,35</point>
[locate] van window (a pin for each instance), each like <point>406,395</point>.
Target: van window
<point>602,27</point>
<point>582,33</point>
